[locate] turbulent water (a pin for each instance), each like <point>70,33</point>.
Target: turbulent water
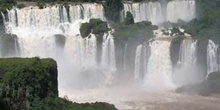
<point>154,11</point>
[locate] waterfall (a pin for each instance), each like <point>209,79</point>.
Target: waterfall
<point>3,17</point>
<point>108,57</point>
<point>36,30</point>
<point>151,11</point>
<point>124,57</point>
<point>186,70</point>
<point>86,11</point>
<point>187,54</point>
<point>181,9</point>
<point>212,57</point>
<point>154,11</point>
<point>159,69</point>
<point>137,62</point>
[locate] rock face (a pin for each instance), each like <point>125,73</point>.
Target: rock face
<point>207,87</point>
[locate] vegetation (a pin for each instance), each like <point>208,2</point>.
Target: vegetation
<point>112,10</point>
<point>23,80</point>
<point>31,84</point>
<point>95,26</point>
<point>129,19</point>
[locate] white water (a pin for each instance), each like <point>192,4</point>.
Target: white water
<point>137,62</point>
<point>154,12</point>
<point>212,57</point>
<point>187,57</point>
<point>181,9</point>
<point>151,11</point>
<point>159,68</point>
<point>187,68</point>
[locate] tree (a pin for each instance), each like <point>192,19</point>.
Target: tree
<point>129,19</point>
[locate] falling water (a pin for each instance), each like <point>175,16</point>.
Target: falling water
<point>124,57</point>
<point>150,11</point>
<point>159,69</point>
<point>36,30</point>
<point>212,57</point>
<point>153,11</point>
<point>186,70</point>
<point>137,62</point>
<point>181,9</point>
<point>187,54</point>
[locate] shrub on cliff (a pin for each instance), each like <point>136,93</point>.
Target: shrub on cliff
<point>129,19</point>
<point>140,31</point>
<point>95,26</point>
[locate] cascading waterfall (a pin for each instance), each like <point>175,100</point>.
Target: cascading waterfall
<point>137,62</point>
<point>187,56</point>
<point>212,57</point>
<point>36,30</point>
<point>186,70</point>
<point>181,9</point>
<point>153,11</point>
<point>159,69</point>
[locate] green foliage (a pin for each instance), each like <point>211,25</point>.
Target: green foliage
<point>22,80</point>
<point>85,29</point>
<point>41,5</point>
<point>31,84</point>
<point>6,4</point>
<point>112,10</point>
<point>140,31</point>
<point>55,103</point>
<point>95,26</point>
<point>21,5</point>
<point>129,19</point>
